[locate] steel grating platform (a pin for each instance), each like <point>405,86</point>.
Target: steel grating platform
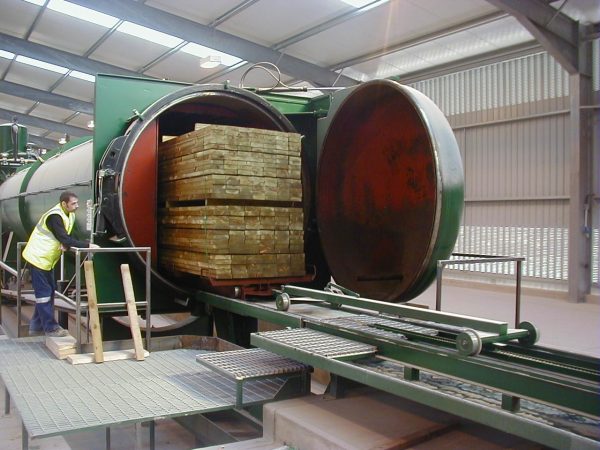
<point>251,363</point>
<point>54,397</point>
<point>320,344</point>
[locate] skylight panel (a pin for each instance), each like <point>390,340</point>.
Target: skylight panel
<point>210,54</point>
<point>361,3</point>
<point>149,34</point>
<point>80,12</point>
<point>36,2</point>
<point>41,64</point>
<point>82,76</point>
<point>7,55</point>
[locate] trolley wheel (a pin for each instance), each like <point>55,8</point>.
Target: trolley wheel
<point>468,343</point>
<point>282,301</point>
<point>532,338</point>
<point>336,305</point>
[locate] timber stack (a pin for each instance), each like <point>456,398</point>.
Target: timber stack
<point>231,203</point>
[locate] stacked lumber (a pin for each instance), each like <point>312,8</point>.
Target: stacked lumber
<point>61,347</point>
<point>244,186</point>
<point>223,162</point>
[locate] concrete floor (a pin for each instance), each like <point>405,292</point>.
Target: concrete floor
<point>573,327</point>
<point>563,325</point>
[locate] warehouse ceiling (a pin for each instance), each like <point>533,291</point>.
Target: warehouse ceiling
<point>50,50</point>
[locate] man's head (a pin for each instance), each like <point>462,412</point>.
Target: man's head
<point>69,202</point>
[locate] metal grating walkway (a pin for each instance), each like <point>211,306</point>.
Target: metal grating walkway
<point>251,363</point>
<point>54,397</point>
<point>318,343</point>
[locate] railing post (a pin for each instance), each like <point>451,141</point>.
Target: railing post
<point>148,297</point>
<point>438,289</point>
<point>78,300</point>
<point>19,302</point>
<point>518,295</point>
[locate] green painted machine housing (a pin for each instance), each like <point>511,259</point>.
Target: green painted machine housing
<point>121,105</point>
<point>7,138</point>
<point>10,157</point>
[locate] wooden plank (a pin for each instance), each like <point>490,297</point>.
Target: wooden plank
<point>223,137</point>
<point>132,312</point>
<point>240,187</point>
<point>61,347</point>
<point>117,355</point>
<point>90,282</point>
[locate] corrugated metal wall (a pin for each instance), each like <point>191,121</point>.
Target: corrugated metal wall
<point>511,120</point>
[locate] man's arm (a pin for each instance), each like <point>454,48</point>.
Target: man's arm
<point>55,224</point>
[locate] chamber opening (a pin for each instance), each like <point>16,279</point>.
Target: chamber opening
<point>139,196</point>
<point>377,191</point>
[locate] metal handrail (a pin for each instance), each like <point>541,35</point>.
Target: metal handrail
<point>18,272</point>
<point>8,269</point>
<point>481,259</point>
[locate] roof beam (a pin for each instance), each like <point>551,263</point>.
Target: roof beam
<point>48,98</point>
<point>557,32</point>
<point>232,12</point>
<point>191,31</point>
<point>58,57</point>
<point>490,18</point>
<point>42,141</point>
<point>45,124</point>
<point>323,26</point>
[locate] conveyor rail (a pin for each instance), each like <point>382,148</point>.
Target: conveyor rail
<point>365,371</point>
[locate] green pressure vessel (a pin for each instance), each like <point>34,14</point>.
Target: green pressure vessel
<point>36,187</point>
<point>379,160</point>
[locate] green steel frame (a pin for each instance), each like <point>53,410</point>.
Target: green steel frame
<point>496,418</point>
<point>562,379</point>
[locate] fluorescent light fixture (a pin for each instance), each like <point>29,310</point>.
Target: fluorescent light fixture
<point>149,34</point>
<point>90,124</point>
<point>80,12</point>
<point>205,52</point>
<point>41,64</point>
<point>82,76</point>
<point>36,2</point>
<point>361,3</point>
<point>7,55</point>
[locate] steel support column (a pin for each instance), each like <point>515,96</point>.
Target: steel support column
<point>569,42</point>
<point>580,245</point>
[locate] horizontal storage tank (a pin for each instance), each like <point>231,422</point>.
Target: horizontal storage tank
<point>36,187</point>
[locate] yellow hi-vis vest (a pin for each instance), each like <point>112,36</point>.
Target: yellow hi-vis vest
<point>43,249</point>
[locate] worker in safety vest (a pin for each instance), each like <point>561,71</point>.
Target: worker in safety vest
<point>48,239</point>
